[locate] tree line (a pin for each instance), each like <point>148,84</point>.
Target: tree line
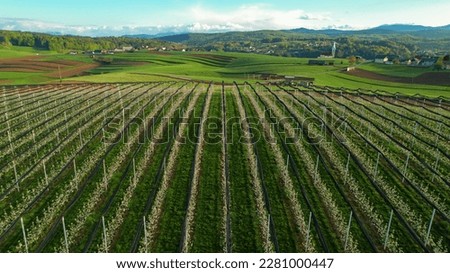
<point>67,42</point>
<point>312,45</point>
<point>279,43</point>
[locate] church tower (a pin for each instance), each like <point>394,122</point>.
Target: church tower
<point>333,50</point>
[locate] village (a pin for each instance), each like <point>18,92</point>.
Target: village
<point>124,49</point>
<point>418,61</point>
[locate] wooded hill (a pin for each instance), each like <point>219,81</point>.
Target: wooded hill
<point>385,40</point>
<point>67,42</point>
<point>405,41</point>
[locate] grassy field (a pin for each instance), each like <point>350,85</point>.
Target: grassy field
<point>353,82</point>
<point>395,70</point>
<point>216,67</point>
<point>20,51</point>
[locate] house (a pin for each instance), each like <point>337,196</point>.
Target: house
<point>406,61</point>
<point>127,48</point>
<point>415,61</point>
<point>381,59</point>
<point>392,59</point>
<point>427,62</point>
<point>386,59</point>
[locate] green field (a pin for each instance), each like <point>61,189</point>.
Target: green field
<point>216,67</point>
<point>396,70</point>
<point>20,51</point>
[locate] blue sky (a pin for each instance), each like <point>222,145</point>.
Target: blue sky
<point>102,17</point>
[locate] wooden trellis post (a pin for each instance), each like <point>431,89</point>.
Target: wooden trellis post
<point>309,230</point>
<point>348,230</point>
<point>65,235</point>
<point>317,167</point>
<point>10,142</point>
<point>376,167</point>
<point>81,140</point>
<point>145,235</point>
<point>15,174</point>
<point>45,172</point>
<point>24,234</point>
<point>104,171</point>
<point>75,168</point>
<point>134,169</point>
<point>429,227</point>
<point>406,167</point>
<point>105,243</point>
<point>386,238</point>
<point>268,229</point>
<point>436,162</point>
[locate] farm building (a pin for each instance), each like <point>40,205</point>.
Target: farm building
<point>406,61</point>
<point>320,62</point>
<point>386,59</point>
<point>427,62</point>
<point>381,59</point>
<point>127,48</point>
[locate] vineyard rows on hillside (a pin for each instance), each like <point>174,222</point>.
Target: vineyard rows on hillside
<point>204,167</point>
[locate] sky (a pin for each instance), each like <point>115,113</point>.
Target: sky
<point>111,17</point>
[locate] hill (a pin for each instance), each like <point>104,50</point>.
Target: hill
<point>402,40</point>
<point>390,40</point>
<point>62,43</point>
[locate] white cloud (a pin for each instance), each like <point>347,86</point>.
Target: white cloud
<point>255,17</point>
<point>198,18</point>
<point>88,30</point>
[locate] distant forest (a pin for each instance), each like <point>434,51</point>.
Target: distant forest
<point>295,43</point>
<point>292,43</point>
<point>66,43</point>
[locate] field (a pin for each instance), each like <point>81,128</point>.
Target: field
<point>185,166</point>
<point>20,66</point>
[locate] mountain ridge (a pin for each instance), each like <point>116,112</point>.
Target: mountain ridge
<point>386,29</point>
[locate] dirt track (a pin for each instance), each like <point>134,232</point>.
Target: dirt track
<point>432,78</point>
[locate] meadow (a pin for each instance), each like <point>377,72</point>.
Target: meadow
<point>202,66</point>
